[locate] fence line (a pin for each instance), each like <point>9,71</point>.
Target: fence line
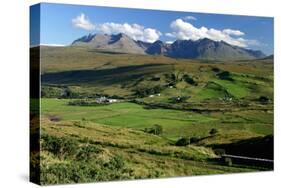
<point>248,158</point>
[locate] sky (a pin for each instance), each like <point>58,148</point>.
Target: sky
<point>61,24</point>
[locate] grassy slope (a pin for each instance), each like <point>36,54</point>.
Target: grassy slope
<point>86,71</point>
<point>144,155</point>
<point>100,72</point>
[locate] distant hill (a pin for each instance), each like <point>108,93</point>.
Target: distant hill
<point>199,49</point>
<point>270,57</point>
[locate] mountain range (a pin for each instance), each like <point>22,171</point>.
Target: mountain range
<point>198,49</point>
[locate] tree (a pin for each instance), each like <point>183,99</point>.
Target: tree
<point>189,80</point>
<point>156,129</point>
<point>263,99</point>
<point>213,131</point>
<point>183,142</point>
<point>194,139</point>
<point>225,75</point>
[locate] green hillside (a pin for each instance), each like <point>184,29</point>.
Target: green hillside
<point>168,116</point>
<point>83,151</point>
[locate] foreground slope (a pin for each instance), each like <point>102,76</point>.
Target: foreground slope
<point>83,152</point>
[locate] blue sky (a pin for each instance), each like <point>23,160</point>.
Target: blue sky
<point>62,24</point>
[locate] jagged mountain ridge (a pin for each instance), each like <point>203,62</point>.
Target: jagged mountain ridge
<point>199,49</point>
<point>119,43</point>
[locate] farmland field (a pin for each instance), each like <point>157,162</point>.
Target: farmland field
<point>175,123</point>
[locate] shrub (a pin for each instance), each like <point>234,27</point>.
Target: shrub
<point>213,131</point>
<point>194,139</point>
<point>51,92</point>
<point>263,99</point>
<point>225,75</point>
<point>60,147</point>
<point>219,151</point>
<point>87,152</point>
<point>189,80</point>
<point>215,69</point>
<point>146,91</point>
<point>81,171</point>
<point>117,162</point>
<point>155,78</point>
<point>68,93</point>
<point>156,129</point>
<point>228,161</point>
<point>183,142</point>
<point>84,102</point>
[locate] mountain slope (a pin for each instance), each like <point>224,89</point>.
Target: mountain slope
<point>209,49</point>
<point>199,49</point>
<point>158,48</point>
<point>118,43</point>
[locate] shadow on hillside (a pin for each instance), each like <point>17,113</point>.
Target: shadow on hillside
<point>117,75</point>
<point>107,52</point>
<point>259,147</point>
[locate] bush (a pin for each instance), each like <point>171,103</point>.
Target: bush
<point>146,91</point>
<point>51,92</point>
<point>194,139</point>
<point>189,80</point>
<point>263,99</point>
<point>84,166</point>
<point>117,162</point>
<point>87,152</point>
<point>219,151</point>
<point>155,78</point>
<point>68,93</point>
<point>173,78</point>
<point>228,161</point>
<point>60,147</point>
<point>215,69</point>
<point>156,130</point>
<point>213,131</point>
<point>183,142</point>
<point>84,102</point>
<point>81,172</point>
<point>225,75</point>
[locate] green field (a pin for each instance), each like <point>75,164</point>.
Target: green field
<point>175,123</point>
<point>184,99</point>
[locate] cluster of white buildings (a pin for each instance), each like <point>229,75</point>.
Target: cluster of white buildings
<point>105,100</point>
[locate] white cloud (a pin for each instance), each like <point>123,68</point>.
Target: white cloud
<point>135,31</point>
<point>169,34</point>
<point>233,32</point>
<point>186,31</point>
<point>83,22</point>
<point>189,18</point>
